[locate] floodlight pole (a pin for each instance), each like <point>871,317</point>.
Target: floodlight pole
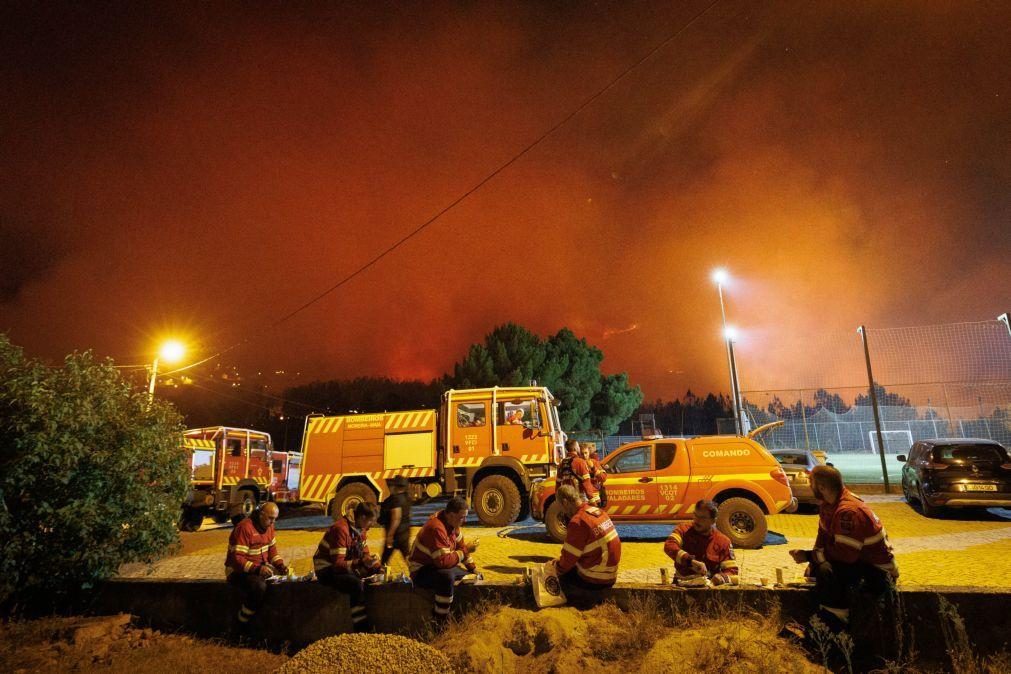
<point>874,406</point>
<point>730,362</point>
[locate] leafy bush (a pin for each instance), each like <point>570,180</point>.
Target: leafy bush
<point>91,476</point>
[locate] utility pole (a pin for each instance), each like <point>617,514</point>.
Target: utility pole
<point>874,406</point>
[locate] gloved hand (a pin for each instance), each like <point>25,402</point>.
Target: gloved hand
<point>266,571</point>
<point>699,567</point>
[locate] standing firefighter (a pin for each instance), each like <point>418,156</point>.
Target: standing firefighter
<point>851,549</point>
<point>591,552</point>
<point>395,515</point>
<point>437,553</point>
<point>699,549</point>
<point>342,559</point>
<point>575,471</point>
<point>253,558</point>
<point>597,475</point>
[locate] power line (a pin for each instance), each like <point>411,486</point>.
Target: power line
<point>420,228</point>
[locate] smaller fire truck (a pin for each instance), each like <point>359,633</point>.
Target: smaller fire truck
<point>286,467</point>
<point>230,473</point>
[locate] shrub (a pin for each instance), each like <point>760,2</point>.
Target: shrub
<point>91,476</point>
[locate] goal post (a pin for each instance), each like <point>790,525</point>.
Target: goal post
<point>896,442</point>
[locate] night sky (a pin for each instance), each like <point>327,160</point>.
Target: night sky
<point>206,168</point>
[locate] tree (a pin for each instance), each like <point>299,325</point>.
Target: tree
<point>885,398</point>
<point>92,475</point>
<point>570,367</point>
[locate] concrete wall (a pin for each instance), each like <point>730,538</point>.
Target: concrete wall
<point>299,613</point>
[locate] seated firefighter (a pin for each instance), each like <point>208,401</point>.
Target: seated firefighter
<point>253,558</point>
<point>851,549</point>
<point>699,550</point>
<point>342,559</point>
<point>437,553</point>
<point>589,560</point>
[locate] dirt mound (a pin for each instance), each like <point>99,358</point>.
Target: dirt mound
<point>367,654</point>
<point>565,639</point>
<point>738,646</point>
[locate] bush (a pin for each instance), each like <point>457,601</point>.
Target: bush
<point>91,476</point>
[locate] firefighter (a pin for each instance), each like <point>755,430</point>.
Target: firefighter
<point>395,515</point>
<point>253,558</point>
<point>589,560</point>
<point>437,553</point>
<point>851,549</point>
<point>342,559</point>
<point>597,474</point>
<point>699,549</point>
<point>574,470</point>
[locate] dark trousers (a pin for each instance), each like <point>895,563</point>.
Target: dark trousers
<point>835,581</point>
<point>253,590</point>
<point>602,492</point>
<point>353,587</point>
<point>402,542</point>
<point>442,582</point>
<point>581,593</point>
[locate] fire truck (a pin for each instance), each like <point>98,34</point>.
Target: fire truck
<point>487,445</point>
<point>230,473</point>
<point>286,468</point>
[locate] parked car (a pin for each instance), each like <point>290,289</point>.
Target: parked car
<point>956,473</point>
<point>660,480</point>
<point>797,464</point>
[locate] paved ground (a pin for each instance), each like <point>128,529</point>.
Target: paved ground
<point>967,549</point>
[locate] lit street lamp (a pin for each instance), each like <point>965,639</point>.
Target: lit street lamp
<point>171,351</point>
<point>720,276</point>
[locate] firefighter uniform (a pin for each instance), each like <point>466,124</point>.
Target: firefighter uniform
<point>575,471</point>
<point>714,549</point>
<point>590,554</point>
<point>250,548</point>
<point>851,547</point>
<point>341,561</point>
<point>436,555</point>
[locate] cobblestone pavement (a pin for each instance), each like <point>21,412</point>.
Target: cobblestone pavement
<point>965,548</point>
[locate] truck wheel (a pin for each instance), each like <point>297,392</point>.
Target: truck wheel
<point>497,501</point>
<point>191,519</point>
<point>244,508</point>
<point>554,520</point>
<point>349,497</point>
<point>743,521</point>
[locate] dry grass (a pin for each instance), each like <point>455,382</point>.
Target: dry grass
<point>112,645</point>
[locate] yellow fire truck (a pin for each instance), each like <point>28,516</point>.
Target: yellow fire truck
<point>485,444</point>
<point>230,473</point>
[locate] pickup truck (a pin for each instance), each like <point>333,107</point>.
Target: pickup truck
<point>660,480</point>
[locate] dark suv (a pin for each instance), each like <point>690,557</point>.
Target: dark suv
<point>953,473</point>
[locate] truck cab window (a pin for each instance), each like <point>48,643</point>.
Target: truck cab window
<point>233,446</point>
<point>631,461</point>
<point>519,413</point>
<point>665,455</point>
<point>470,415</point>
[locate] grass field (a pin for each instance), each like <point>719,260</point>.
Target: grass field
<point>865,468</point>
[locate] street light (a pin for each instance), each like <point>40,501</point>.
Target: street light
<point>171,351</point>
<point>720,276</point>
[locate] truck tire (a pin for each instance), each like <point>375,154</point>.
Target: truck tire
<point>743,521</point>
<point>497,501</point>
<point>554,520</point>
<point>350,496</point>
<point>244,507</point>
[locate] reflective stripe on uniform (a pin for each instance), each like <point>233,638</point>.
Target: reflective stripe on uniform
<point>851,542</point>
<point>880,536</point>
<point>573,550</point>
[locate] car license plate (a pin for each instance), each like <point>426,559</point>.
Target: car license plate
<point>972,486</point>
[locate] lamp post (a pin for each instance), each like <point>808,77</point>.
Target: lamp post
<point>720,276</point>
<point>171,351</point>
